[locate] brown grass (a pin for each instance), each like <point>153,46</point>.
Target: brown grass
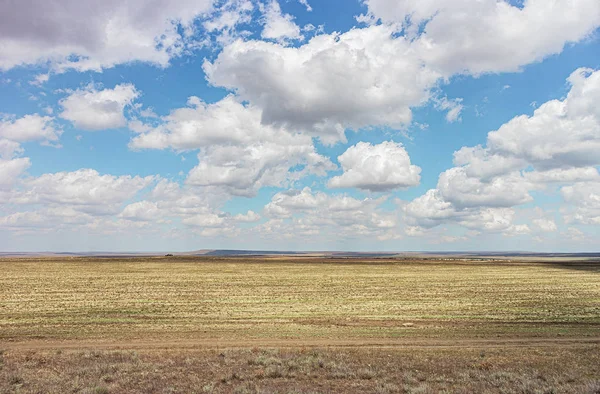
<point>298,326</point>
<point>573,370</point>
<point>202,298</point>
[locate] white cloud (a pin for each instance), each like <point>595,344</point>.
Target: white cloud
<point>205,220</point>
<point>585,197</point>
<point>225,19</point>
<point>29,128</point>
<point>236,152</point>
<point>279,27</point>
<point>170,203</point>
<point>46,218</point>
<point>141,210</point>
<point>562,175</point>
<point>95,35</point>
<point>414,231</point>
<point>380,167</point>
<point>558,145</point>
<point>517,229</point>
<point>560,133</point>
<point>248,217</point>
<point>454,108</point>
<point>462,190</point>
<point>85,190</point>
<point>306,213</point>
<point>431,210</point>
<point>361,78</point>
<point>10,170</point>
<point>546,225</point>
<point>575,234</point>
<point>478,162</point>
<point>451,239</point>
<point>40,79</point>
<point>93,109</point>
<point>244,170</point>
<point>305,4</point>
<point>21,220</point>
<point>373,77</point>
<point>9,149</point>
<point>479,36</point>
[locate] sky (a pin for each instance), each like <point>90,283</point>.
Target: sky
<point>356,125</point>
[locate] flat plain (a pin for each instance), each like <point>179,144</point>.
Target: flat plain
<point>298,324</point>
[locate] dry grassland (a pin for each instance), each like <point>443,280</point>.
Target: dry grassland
<point>266,325</point>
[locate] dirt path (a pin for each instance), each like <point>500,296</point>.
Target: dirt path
<point>299,343</point>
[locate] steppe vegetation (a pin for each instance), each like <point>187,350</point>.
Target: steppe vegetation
<point>301,325</point>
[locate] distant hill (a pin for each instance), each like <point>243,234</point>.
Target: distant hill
<point>332,254</point>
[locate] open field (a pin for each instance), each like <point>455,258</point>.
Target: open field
<point>318,325</point>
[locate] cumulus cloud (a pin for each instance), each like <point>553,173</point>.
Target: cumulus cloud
<point>278,26</point>
<point>431,210</point>
<point>236,151</point>
<point>29,128</point>
<point>557,145</point>
<point>71,34</point>
<point>84,200</point>
<point>85,190</point>
<point>170,203</point>
<point>585,197</point>
<point>248,217</point>
<point>560,134</point>
<point>10,170</point>
<point>462,190</point>
<point>226,17</point>
<point>309,214</point>
<point>563,175</point>
<point>380,167</point>
<point>361,78</point>
<point>92,109</point>
<point>141,210</point>
<point>475,37</point>
<point>547,225</point>
<point>518,229</point>
<point>9,149</point>
<point>575,234</point>
<point>373,77</point>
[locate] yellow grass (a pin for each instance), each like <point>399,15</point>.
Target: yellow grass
<point>250,298</point>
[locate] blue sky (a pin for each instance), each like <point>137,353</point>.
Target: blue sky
<point>304,125</point>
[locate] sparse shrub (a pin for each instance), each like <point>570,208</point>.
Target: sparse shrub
<point>264,360</point>
<point>273,372</point>
<point>409,378</point>
<point>97,390</point>
<point>366,373</point>
<point>246,388</point>
<point>341,372</point>
<point>593,387</point>
<point>260,374</point>
<point>422,389</point>
<point>387,388</point>
<point>107,379</point>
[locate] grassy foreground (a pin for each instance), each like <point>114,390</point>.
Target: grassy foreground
<point>252,371</point>
<point>298,325</point>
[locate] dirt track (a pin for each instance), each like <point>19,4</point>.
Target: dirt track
<point>303,343</point>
